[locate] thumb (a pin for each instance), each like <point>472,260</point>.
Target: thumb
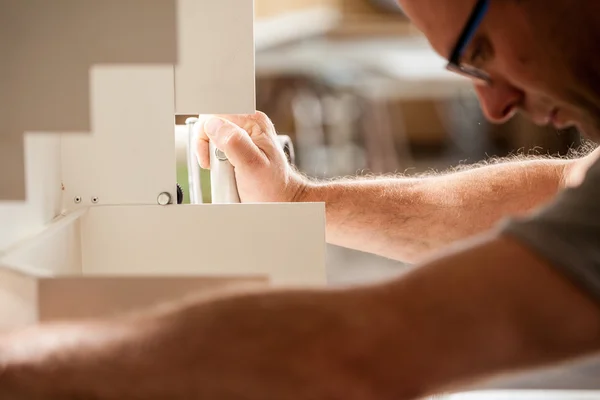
<point>234,141</point>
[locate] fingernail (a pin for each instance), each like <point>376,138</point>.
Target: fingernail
<point>212,126</point>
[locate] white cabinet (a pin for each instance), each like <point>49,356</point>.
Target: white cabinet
<point>89,235</point>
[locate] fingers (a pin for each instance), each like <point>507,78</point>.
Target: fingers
<point>202,150</point>
<point>245,138</point>
<point>256,125</point>
<point>232,139</point>
<point>261,131</point>
<point>201,140</point>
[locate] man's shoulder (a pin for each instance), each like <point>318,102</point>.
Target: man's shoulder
<point>566,231</point>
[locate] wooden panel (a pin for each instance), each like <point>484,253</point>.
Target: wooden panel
<point>129,158</point>
<point>81,297</point>
<point>215,72</point>
<point>284,241</point>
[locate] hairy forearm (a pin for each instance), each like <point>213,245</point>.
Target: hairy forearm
<point>262,346</point>
<point>406,218</point>
<point>485,310</point>
<point>105,360</point>
<point>476,313</point>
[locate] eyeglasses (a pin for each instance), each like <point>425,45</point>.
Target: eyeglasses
<point>454,63</point>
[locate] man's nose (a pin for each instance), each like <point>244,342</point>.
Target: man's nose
<point>499,100</point>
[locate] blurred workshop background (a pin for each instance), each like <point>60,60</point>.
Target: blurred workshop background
<point>359,91</point>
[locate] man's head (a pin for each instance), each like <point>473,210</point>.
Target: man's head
<point>541,56</point>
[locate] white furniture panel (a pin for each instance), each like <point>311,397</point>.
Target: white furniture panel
<point>108,259</point>
<point>20,219</point>
<point>108,78</point>
<point>54,251</point>
<point>215,70</point>
<point>47,49</point>
<point>286,242</point>
<point>129,156</point>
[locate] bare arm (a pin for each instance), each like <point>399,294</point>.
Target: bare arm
<point>406,219</point>
<point>400,218</point>
<point>487,309</point>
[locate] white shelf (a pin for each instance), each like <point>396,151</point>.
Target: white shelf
<point>108,258</point>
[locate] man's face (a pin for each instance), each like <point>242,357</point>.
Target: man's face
<point>541,56</point>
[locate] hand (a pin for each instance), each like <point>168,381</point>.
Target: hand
<point>262,171</point>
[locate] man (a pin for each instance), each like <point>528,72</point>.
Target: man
<point>511,295</point>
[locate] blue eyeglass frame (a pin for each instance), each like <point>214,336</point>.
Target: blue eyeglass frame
<point>469,30</point>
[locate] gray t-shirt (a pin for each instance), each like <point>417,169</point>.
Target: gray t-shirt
<point>566,232</point>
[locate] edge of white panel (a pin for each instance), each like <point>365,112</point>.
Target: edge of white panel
<point>59,244</point>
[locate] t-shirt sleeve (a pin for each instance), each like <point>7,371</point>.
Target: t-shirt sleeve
<point>566,232</point>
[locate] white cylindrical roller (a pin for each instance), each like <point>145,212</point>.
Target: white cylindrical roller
<point>195,187</point>
<point>222,178</point>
